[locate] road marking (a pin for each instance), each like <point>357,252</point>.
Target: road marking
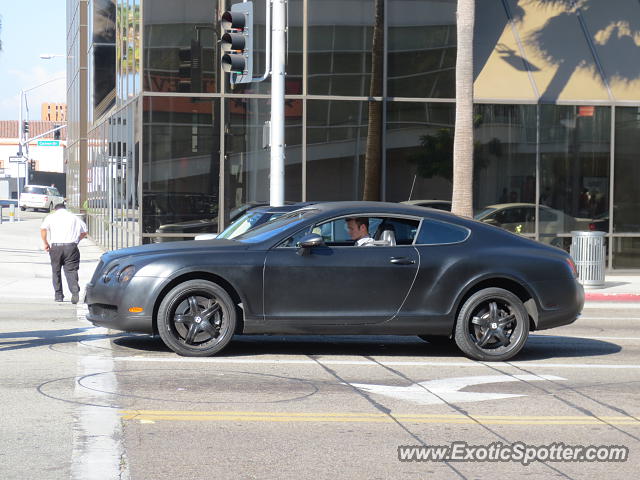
<point>447,390</point>
<point>97,448</point>
<point>146,416</point>
<point>370,363</point>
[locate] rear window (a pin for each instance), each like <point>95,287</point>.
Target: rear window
<point>37,190</point>
<point>433,232</point>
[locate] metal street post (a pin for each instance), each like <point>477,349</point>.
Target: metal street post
<point>276,197</point>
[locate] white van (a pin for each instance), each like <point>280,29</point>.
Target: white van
<point>40,197</point>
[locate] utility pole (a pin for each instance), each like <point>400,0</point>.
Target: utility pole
<point>276,189</point>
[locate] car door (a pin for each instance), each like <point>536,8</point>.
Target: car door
<point>338,283</point>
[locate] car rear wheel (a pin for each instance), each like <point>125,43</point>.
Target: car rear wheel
<point>493,325</point>
<point>197,319</point>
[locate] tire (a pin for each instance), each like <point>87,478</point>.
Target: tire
<point>23,208</point>
<point>203,333</point>
<point>492,325</point>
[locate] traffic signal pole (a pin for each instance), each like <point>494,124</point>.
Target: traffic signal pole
<point>276,197</point>
<point>236,43</point>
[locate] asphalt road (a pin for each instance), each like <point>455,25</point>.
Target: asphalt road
<point>82,402</point>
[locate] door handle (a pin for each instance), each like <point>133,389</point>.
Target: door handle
<point>402,261</point>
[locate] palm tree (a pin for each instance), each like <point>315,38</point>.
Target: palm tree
<point>373,155</point>
<point>462,196</point>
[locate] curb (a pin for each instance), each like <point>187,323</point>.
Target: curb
<point>611,297</point>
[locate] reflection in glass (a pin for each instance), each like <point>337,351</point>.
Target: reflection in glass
<point>180,165</point>
<point>340,44</point>
<point>421,48</point>
<point>626,197</point>
<point>336,146</point>
<point>626,252</point>
<point>419,141</point>
<point>180,50</point>
<point>505,159</point>
<point>574,162</point>
<point>247,159</point>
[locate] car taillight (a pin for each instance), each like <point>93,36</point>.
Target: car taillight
<point>592,226</point>
<point>46,199</point>
<point>572,267</point>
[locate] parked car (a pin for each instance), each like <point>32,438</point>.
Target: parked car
<point>251,219</point>
<point>521,218</point>
<point>40,197</point>
<point>437,204</point>
<point>428,273</point>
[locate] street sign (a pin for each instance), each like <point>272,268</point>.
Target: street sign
<point>48,143</point>
<point>17,159</point>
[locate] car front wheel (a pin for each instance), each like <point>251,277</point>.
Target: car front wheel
<point>493,325</point>
<point>197,319</point>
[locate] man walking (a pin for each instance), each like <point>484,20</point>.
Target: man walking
<point>65,231</point>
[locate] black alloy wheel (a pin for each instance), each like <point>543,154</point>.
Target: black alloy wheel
<point>197,319</point>
<point>493,325</point>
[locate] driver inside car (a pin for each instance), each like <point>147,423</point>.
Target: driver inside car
<point>358,229</point>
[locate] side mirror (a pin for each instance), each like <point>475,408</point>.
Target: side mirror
<point>309,241</point>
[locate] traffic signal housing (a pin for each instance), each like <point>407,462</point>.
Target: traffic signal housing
<point>237,42</point>
<point>25,126</point>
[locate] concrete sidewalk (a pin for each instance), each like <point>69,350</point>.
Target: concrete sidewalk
<point>25,269</point>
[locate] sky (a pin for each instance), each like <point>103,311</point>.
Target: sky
<point>29,29</point>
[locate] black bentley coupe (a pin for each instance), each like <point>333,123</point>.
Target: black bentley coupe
<point>426,272</point>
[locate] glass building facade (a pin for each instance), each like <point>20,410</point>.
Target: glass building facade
<point>174,150</point>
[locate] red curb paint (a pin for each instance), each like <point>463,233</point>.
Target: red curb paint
<point>612,297</point>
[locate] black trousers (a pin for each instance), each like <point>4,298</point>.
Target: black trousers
<point>65,256</point>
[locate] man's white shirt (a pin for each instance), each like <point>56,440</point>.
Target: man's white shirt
<point>365,242</point>
<point>63,226</point>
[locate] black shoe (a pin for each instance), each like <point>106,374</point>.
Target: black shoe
<point>74,298</point>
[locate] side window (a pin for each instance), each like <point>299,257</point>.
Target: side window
<point>404,230</point>
<point>433,232</point>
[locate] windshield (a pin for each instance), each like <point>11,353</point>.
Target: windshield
<point>483,213</point>
<point>241,225</point>
<point>275,227</point>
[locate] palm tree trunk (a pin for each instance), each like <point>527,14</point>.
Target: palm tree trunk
<point>373,155</point>
<point>462,196</point>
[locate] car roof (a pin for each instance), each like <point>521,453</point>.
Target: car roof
<point>283,208</point>
<point>372,208</point>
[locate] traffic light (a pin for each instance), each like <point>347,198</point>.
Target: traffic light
<point>25,127</point>
<point>237,42</point>
<point>190,68</point>
<point>32,164</point>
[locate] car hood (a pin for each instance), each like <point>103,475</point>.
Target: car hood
<point>174,248</point>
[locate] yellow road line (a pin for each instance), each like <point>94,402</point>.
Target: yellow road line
<point>228,416</point>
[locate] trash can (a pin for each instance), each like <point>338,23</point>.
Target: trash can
<point>589,253</point>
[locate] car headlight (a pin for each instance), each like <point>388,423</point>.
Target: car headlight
<point>108,274</point>
<point>126,274</point>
